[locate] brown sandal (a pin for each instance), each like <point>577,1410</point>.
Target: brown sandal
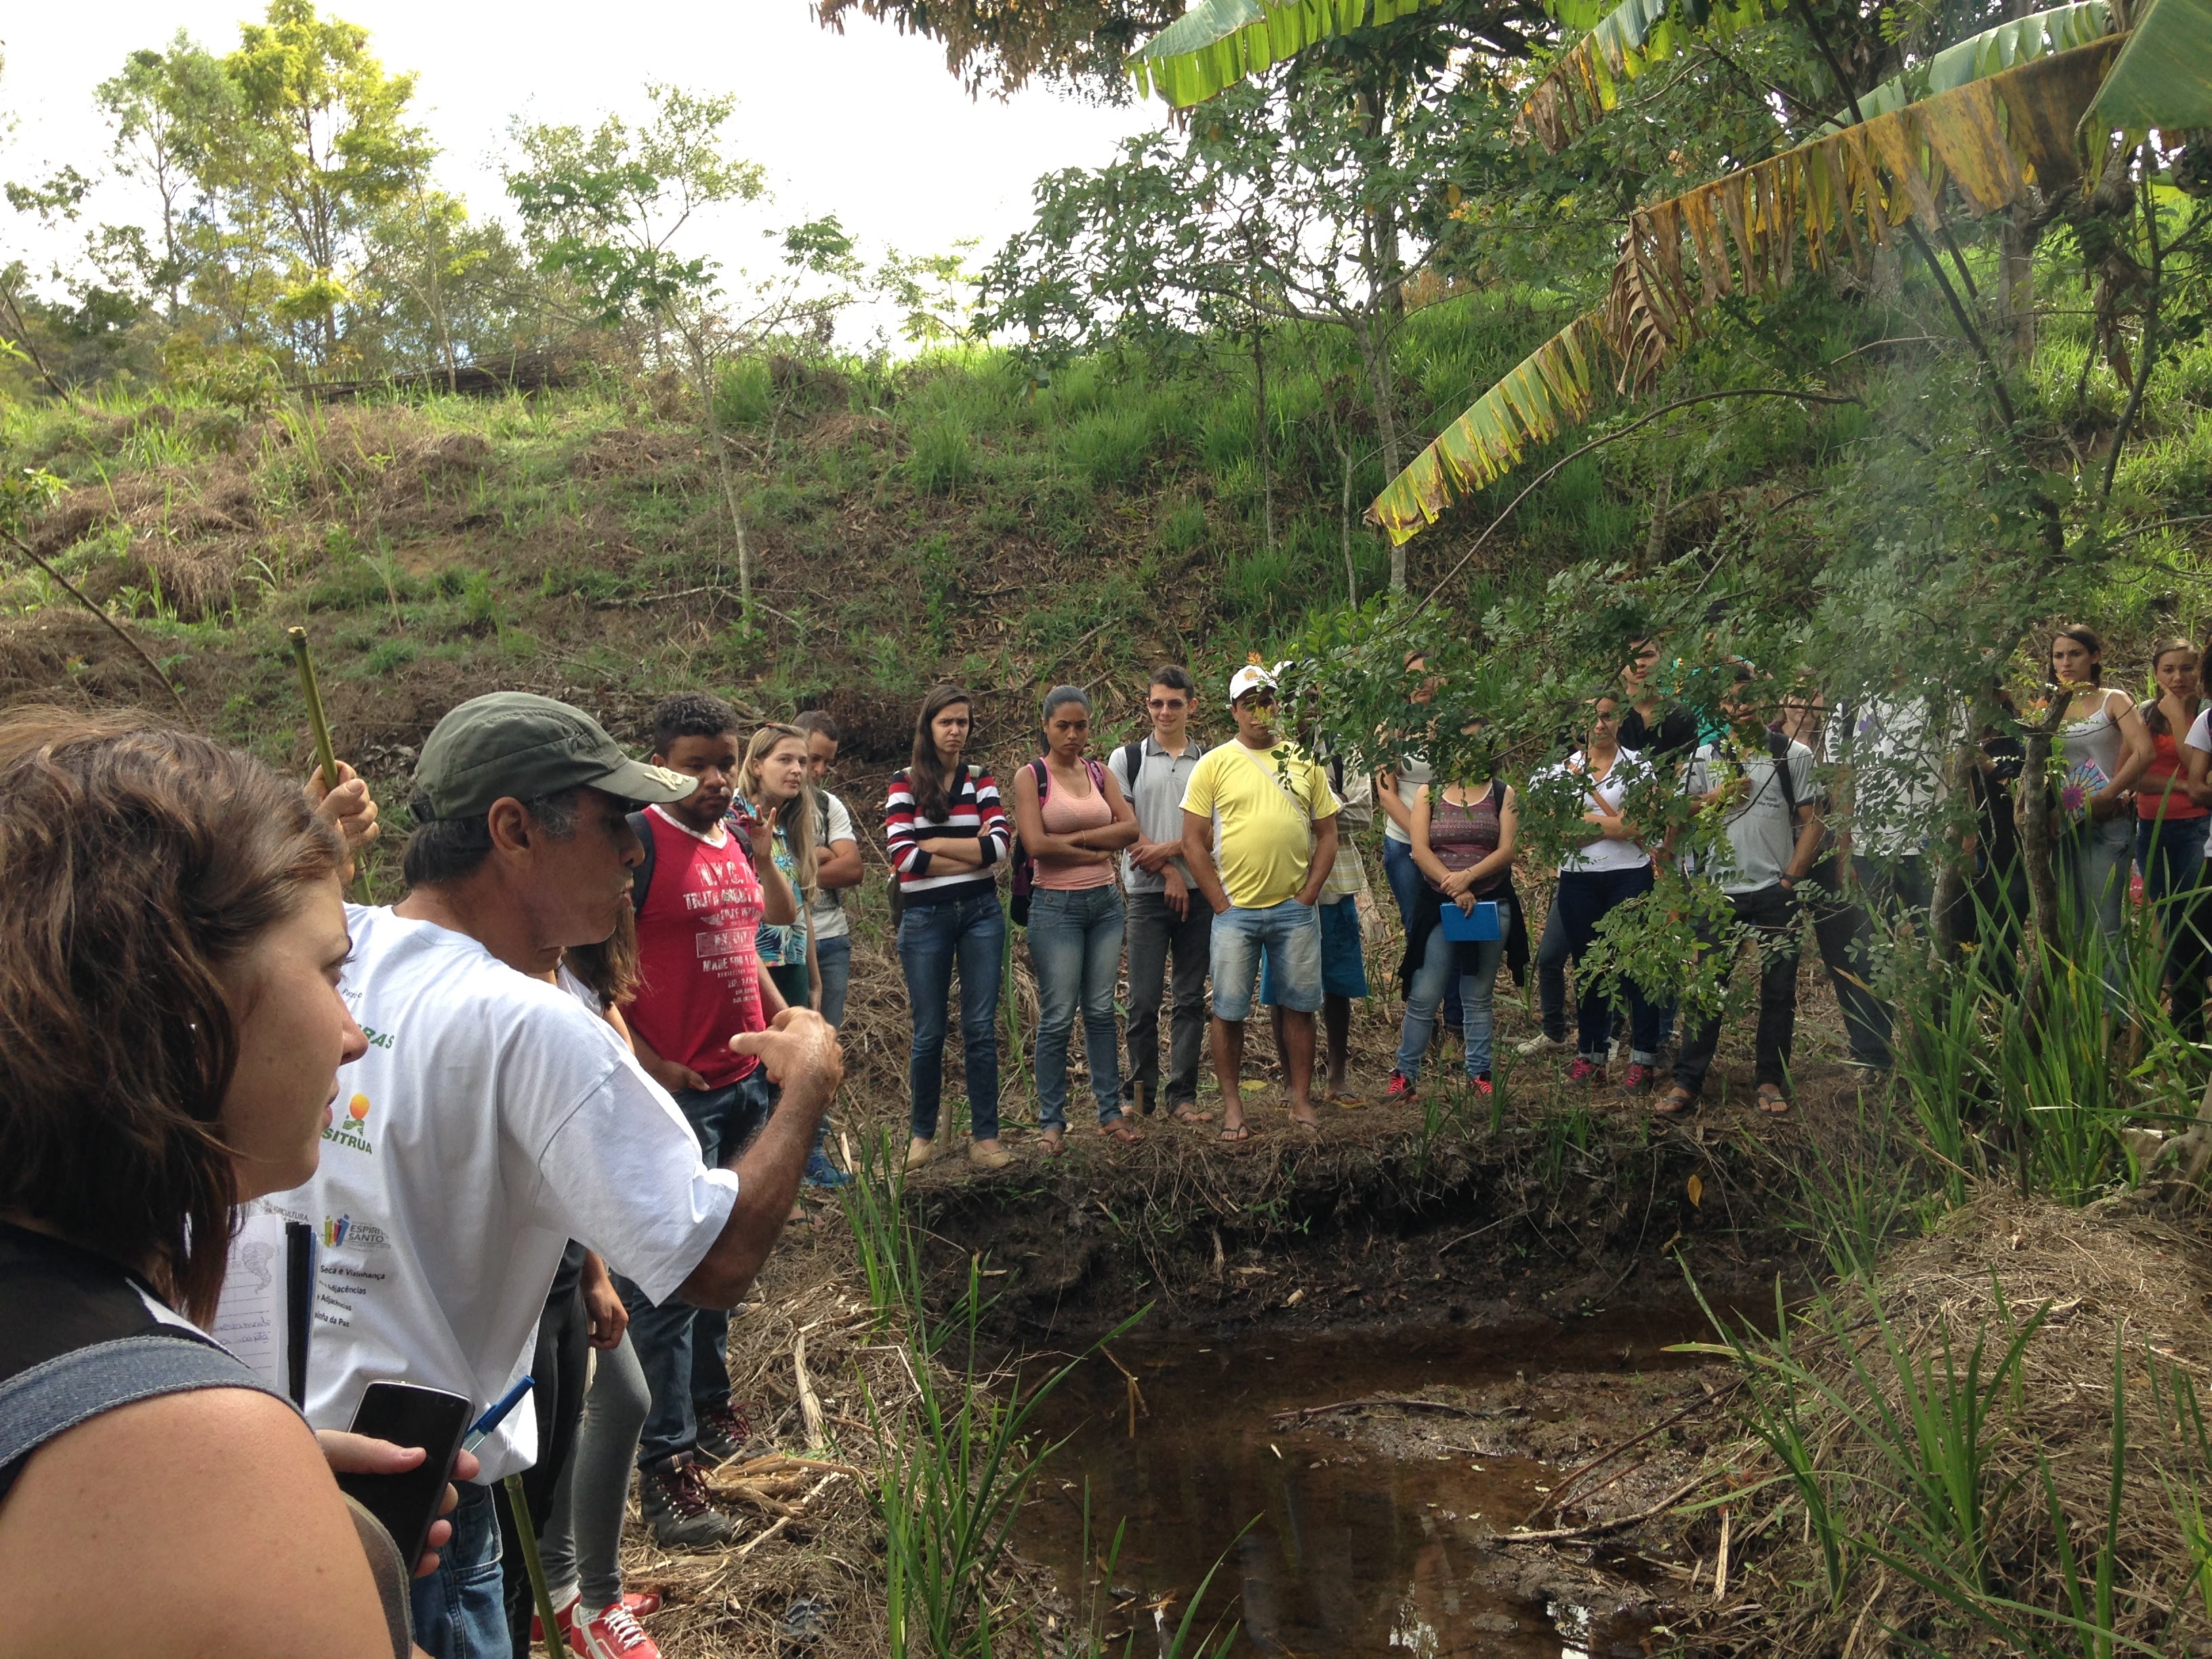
<point>1772,1101</point>
<point>1235,1132</point>
<point>1677,1102</point>
<point>1118,1127</point>
<point>1187,1113</point>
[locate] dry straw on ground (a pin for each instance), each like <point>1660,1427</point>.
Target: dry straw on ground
<point>2107,1275</point>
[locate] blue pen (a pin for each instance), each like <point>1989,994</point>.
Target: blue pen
<point>495,1415</point>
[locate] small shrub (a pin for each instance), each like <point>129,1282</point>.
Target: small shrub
<point>1110,448</point>
<point>944,457</point>
<point>390,654</point>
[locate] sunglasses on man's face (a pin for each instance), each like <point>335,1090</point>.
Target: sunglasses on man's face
<point>1164,702</point>
<point>1258,699</point>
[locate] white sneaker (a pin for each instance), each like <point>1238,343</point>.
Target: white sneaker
<point>613,1634</point>
<point>1538,1044</point>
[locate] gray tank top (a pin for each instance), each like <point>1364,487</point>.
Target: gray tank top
<point>2096,738</point>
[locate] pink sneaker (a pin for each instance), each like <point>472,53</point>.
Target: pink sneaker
<point>1399,1087</point>
<point>1638,1078</point>
<point>1586,1075</point>
<point>612,1634</point>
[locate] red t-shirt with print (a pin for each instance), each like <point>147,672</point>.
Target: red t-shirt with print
<point>699,974</point>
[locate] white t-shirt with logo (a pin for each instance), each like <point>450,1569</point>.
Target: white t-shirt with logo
<point>492,1120</point>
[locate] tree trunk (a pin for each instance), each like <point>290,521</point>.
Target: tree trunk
<point>2016,288</point>
<point>1386,421</point>
<point>1344,524</point>
<point>2033,809</point>
<point>1265,449</point>
<point>702,379</point>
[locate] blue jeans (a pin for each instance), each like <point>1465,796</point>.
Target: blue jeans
<point>1584,898</point>
<point>682,1349</point>
<point>1290,934</point>
<point>1406,882</point>
<point>834,957</point>
<point>1439,968</point>
<point>969,934</point>
<point>460,1610</point>
<point>2172,855</point>
<point>1075,948</point>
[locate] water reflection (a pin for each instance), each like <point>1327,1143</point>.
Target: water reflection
<point>1323,1546</point>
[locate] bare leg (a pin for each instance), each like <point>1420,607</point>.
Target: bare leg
<point>1228,1062</point>
<point>1336,1018</point>
<point>1298,1057</point>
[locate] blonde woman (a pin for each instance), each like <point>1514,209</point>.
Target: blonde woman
<point>775,785</point>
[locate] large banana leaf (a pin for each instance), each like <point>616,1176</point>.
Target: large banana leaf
<point>1989,139</point>
<point>1551,390</point>
<point>1218,43</point>
<point>2022,40</point>
<point>2164,78</point>
<point>1586,82</point>
<point>1847,192</point>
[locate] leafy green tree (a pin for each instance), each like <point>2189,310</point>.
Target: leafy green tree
<point>318,139</point>
<point>603,211</point>
<point>166,110</point>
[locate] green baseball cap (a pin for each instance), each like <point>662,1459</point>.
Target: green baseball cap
<point>519,744</point>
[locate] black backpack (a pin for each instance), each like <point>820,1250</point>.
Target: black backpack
<point>640,879</point>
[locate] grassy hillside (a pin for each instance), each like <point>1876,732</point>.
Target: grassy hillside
<point>949,518</point>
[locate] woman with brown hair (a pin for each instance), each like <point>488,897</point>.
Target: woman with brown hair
<point>2170,827</point>
<point>946,832</point>
<point>171,932</point>
<point>2104,749</point>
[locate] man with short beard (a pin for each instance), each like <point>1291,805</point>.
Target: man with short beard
<point>492,1118</point>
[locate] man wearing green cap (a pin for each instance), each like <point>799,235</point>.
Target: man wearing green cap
<point>493,1118</point>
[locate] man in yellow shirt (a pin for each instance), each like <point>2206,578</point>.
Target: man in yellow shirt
<point>1264,807</point>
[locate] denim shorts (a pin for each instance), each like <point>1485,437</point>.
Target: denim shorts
<point>1343,955</point>
<point>1290,934</point>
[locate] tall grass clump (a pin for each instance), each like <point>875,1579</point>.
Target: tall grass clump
<point>943,459</point>
<point>954,1459</point>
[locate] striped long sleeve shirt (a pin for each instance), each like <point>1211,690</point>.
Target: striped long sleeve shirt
<point>974,811</point>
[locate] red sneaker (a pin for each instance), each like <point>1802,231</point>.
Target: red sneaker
<point>564,1614</point>
<point>1638,1078</point>
<point>1400,1087</point>
<point>1586,1075</point>
<point>613,1633</point>
<point>1482,1087</point>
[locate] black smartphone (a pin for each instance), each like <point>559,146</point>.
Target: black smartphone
<point>408,1416</point>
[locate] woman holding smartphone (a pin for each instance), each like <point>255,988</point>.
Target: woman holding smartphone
<point>171,932</point>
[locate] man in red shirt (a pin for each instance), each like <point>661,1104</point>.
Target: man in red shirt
<point>700,894</point>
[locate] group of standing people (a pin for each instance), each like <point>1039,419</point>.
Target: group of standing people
<point>1223,864</point>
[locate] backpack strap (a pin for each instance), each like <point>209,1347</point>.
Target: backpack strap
<point>1132,763</point>
<point>58,1395</point>
<point>1777,751</point>
<point>640,879</point>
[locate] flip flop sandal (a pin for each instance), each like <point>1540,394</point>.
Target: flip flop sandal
<point>1120,1128</point>
<point>1677,1102</point>
<point>1772,1102</point>
<point>1189,1113</point>
<point>1235,1132</point>
<point>1053,1145</point>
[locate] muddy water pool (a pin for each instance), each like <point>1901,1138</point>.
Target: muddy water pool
<point>1325,1545</point>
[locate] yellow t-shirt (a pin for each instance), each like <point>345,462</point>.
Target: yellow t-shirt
<point>1263,805</point>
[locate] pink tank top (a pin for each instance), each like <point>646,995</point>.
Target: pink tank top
<point>1064,813</point>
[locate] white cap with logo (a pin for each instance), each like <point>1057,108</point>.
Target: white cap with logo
<point>1248,677</point>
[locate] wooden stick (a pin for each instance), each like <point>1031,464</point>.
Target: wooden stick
<point>317,725</point>
<point>1600,1529</point>
<point>1720,1566</point>
<point>107,621</point>
<point>1399,1399</point>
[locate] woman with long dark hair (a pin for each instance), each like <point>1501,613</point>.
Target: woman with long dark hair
<point>2104,749</point>
<point>947,835</point>
<point>1463,839</point>
<point>1073,820</point>
<point>172,928</point>
<point>2171,827</point>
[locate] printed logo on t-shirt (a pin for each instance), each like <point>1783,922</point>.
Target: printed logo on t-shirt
<point>350,1126</point>
<point>344,1229</point>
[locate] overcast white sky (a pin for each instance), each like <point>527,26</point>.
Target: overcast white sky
<point>867,125</point>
